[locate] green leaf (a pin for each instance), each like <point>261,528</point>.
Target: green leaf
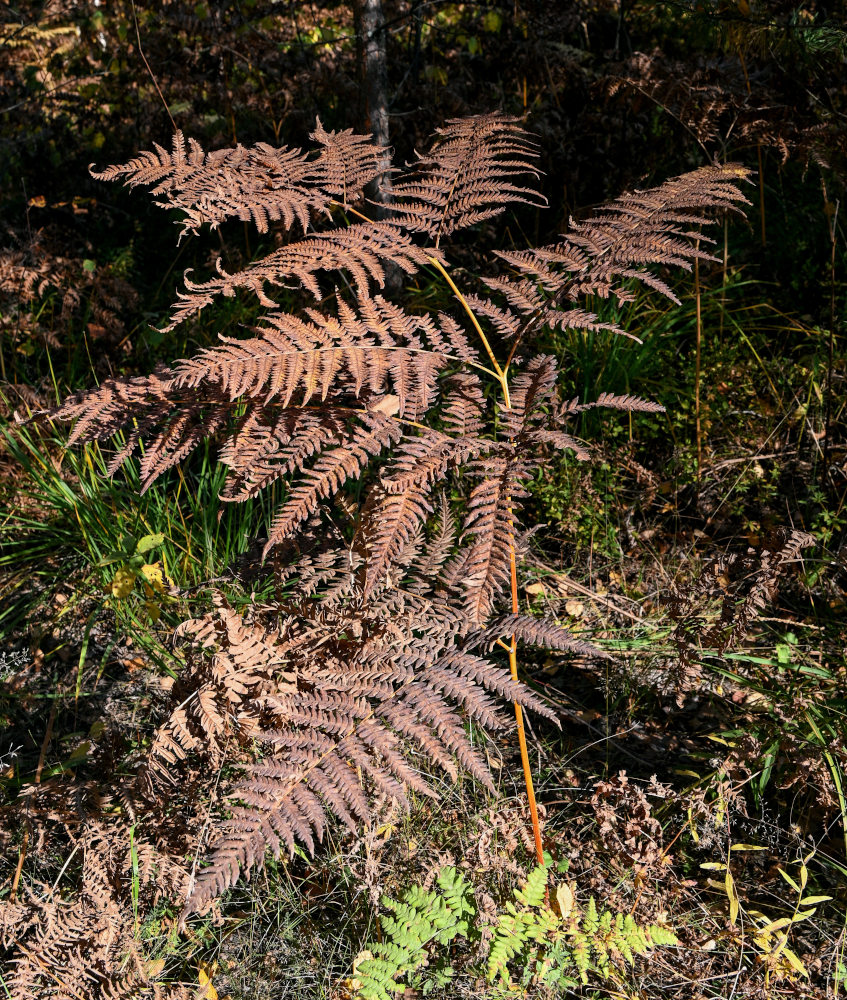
<point>492,21</point>
<point>148,542</point>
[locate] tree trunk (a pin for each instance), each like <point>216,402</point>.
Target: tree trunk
<point>371,39</point>
<point>373,75</point>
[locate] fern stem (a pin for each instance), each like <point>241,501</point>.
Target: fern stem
<point>436,263</point>
<point>347,208</point>
<point>502,378</point>
<point>513,667</point>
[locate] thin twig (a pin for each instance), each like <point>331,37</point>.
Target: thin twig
<point>150,71</point>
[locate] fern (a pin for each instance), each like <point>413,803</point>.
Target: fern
<point>422,922</point>
<point>553,946</point>
<point>525,920</point>
<point>368,669</point>
<point>550,949</point>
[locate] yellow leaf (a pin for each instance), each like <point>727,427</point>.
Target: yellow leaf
<point>565,898</point>
<point>729,885</point>
<point>155,967</point>
<point>123,582</point>
<point>775,925</point>
<point>350,988</point>
<point>747,847</point>
<point>790,881</point>
<point>692,826</point>
<point>204,978</point>
<point>363,956</point>
<point>153,610</point>
<point>794,961</point>
<point>713,866</point>
<point>813,900</point>
<point>152,573</point>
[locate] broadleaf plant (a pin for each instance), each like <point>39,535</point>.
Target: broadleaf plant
<point>357,684</point>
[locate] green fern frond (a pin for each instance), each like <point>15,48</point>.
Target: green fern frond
<point>550,949</point>
<point>418,922</point>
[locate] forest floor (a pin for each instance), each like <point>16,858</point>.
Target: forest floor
<point>697,780</point>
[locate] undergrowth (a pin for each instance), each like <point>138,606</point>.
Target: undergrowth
<point>697,788</point>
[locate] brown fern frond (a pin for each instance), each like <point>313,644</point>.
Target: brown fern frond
<point>560,440</point>
<point>101,413</point>
<point>467,176</point>
<point>532,389</point>
<point>506,322</point>
<point>259,184</point>
<point>355,351</point>
<point>361,352</point>
<point>182,433</point>
<point>389,523</point>
<point>332,469</point>
<point>266,448</point>
<point>464,664</point>
<point>623,242</point>
<point>362,250</point>
<point>537,632</point>
<point>347,163</point>
<point>491,522</point>
<point>212,697</point>
<point>464,405</point>
<point>339,734</point>
<point>86,947</point>
<point>525,296</point>
<point>423,459</point>
<point>426,567</point>
<point>609,400</point>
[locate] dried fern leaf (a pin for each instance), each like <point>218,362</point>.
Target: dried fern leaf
<point>426,567</point>
<point>362,251</point>
<point>637,232</point>
<point>347,163</point>
<point>340,734</point>
<point>356,351</point>
<point>489,527</point>
<point>266,447</point>
<point>390,521</point>
<point>540,632</point>
<point>259,184</point>
<point>333,468</point>
<point>467,176</point>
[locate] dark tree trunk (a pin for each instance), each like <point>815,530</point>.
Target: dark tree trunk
<point>373,75</point>
<point>371,39</point>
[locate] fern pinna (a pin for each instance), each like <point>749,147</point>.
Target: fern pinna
<point>362,678</point>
